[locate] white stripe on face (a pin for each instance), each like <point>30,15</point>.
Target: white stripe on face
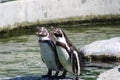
<point>63,40</point>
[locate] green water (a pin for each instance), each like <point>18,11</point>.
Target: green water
<point>19,56</point>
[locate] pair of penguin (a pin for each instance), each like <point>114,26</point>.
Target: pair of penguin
<point>58,53</point>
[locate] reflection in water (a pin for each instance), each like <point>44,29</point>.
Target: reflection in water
<point>20,55</point>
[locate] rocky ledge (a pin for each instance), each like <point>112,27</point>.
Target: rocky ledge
<point>37,78</point>
<point>103,50</point>
<point>113,74</point>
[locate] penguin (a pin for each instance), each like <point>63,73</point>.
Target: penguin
<point>48,52</point>
<point>68,55</point>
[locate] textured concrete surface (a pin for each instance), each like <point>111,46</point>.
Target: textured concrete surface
<point>22,11</point>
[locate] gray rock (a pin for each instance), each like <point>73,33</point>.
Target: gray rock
<point>113,74</point>
<point>4,1</point>
<point>105,48</point>
<point>36,78</point>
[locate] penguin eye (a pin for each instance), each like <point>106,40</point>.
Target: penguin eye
<point>59,31</point>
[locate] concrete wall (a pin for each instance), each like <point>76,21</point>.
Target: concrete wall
<point>38,10</point>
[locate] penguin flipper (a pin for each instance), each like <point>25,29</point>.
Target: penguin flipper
<point>43,60</point>
<point>74,63</point>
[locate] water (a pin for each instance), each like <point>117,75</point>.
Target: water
<point>19,56</point>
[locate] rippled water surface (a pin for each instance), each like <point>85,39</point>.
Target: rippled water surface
<point>19,56</point>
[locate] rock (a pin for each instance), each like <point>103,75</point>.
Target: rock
<point>36,78</point>
<point>103,49</point>
<point>113,74</point>
<point>23,78</point>
<point>4,1</point>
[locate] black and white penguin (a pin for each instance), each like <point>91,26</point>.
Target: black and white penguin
<point>68,55</point>
<point>48,52</point>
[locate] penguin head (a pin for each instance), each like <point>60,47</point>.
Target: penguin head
<point>61,36</point>
<point>42,32</point>
<point>58,33</point>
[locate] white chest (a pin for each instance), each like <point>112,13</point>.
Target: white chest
<point>64,59</point>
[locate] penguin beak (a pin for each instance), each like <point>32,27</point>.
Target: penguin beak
<point>55,33</point>
<point>39,33</point>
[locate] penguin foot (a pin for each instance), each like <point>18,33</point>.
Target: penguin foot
<point>77,78</point>
<point>49,74</point>
<point>58,77</point>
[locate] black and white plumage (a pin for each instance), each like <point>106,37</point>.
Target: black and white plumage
<point>48,52</point>
<point>67,53</point>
